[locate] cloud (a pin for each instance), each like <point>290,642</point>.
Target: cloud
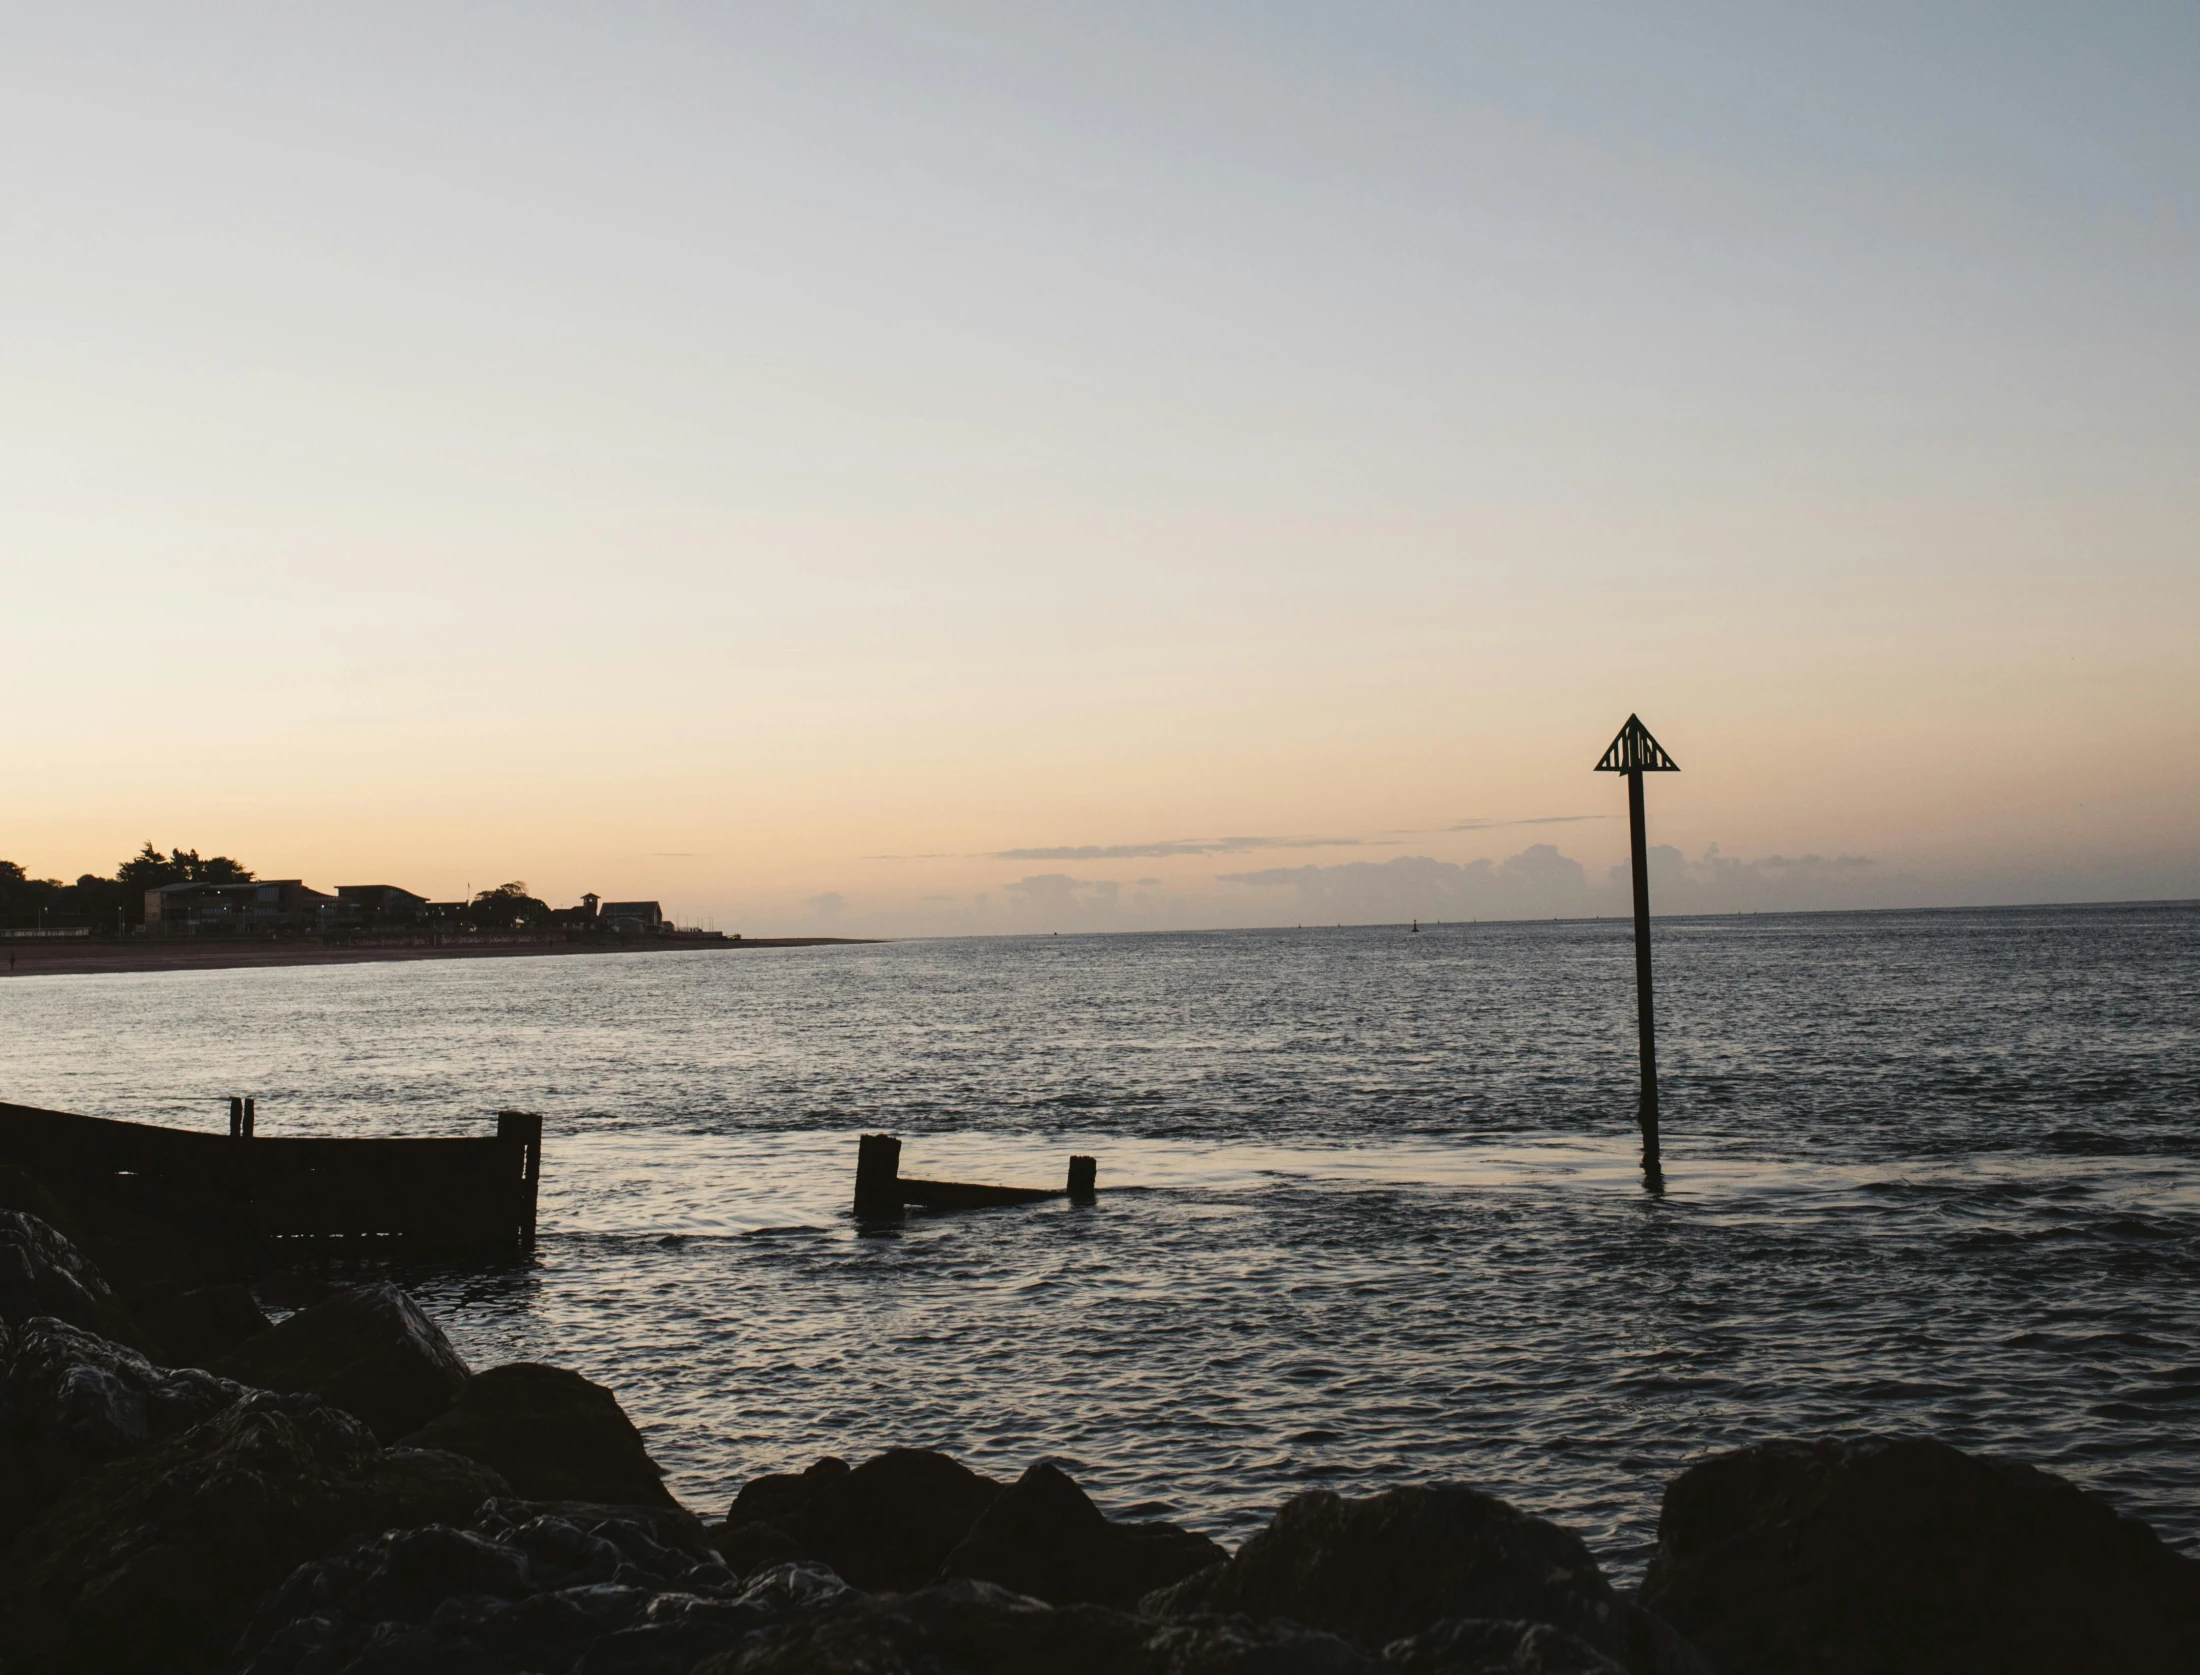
<point>1532,820</point>
<point>1165,849</point>
<point>1147,881</point>
<point>1539,882</point>
<point>1170,847</point>
<point>831,905</point>
<point>1052,900</point>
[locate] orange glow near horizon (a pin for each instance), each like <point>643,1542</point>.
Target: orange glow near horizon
<point>955,479</point>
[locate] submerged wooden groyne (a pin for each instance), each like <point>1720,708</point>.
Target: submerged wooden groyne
<point>285,1197</point>
<point>882,1190</point>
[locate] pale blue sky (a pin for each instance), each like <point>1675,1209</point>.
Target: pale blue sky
<point>688,450</point>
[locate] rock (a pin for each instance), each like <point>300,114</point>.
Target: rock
<point>408,1486</point>
<point>22,1190</point>
<point>780,1498</point>
<point>1478,1646</point>
<point>553,1434</point>
<point>1240,1646</point>
<point>368,1350</point>
<point>154,1560</point>
<point>519,1590</point>
<point>889,1523</point>
<point>1045,1538</point>
<point>70,1401</point>
<point>749,1548</point>
<point>198,1327</point>
<point>1392,1565</point>
<point>44,1273</point>
<point>975,1628</point>
<point>969,1627</point>
<point>1894,1556</point>
<point>671,1525</point>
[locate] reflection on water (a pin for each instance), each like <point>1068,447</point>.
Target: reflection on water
<point>1368,1205</point>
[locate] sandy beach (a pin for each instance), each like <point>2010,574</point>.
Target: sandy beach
<point>72,957</point>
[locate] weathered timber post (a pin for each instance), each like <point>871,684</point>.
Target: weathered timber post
<point>878,1175</point>
<point>525,1128</point>
<point>236,1118</point>
<point>1084,1173</point>
<point>1634,753</point>
<point>248,1116</point>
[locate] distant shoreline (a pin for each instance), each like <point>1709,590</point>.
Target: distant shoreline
<point>71,957</point>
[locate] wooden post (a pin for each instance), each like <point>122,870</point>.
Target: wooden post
<point>878,1175</point>
<point>1646,1028</point>
<point>1083,1174</point>
<point>236,1118</point>
<point>248,1114</point>
<point>525,1127</point>
<point>1634,753</point>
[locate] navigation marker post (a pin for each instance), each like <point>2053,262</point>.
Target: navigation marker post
<point>1635,753</point>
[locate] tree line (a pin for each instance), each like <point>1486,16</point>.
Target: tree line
<point>118,903</point>
<point>109,903</point>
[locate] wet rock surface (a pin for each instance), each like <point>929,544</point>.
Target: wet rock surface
<point>153,1561</point>
<point>977,1628</point>
<point>1389,1566</point>
<point>196,1328</point>
<point>71,1401</point>
<point>1900,1556</point>
<point>553,1435</point>
<point>521,1588</point>
<point>1480,1647</point>
<point>889,1523</point>
<point>1044,1537</point>
<point>22,1190</point>
<point>170,1518</point>
<point>368,1350</point>
<point>42,1272</point>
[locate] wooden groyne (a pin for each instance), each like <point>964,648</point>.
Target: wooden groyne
<point>882,1190</point>
<point>291,1196</point>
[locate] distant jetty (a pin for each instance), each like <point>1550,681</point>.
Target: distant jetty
<point>85,956</point>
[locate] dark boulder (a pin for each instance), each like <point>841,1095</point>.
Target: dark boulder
<point>1392,1565</point>
<point>196,1328</point>
<point>519,1590</point>
<point>552,1433</point>
<point>888,1523</point>
<point>368,1350</point>
<point>1045,1538</point>
<point>671,1524</point>
<point>975,1628</point>
<point>70,1401</point>
<point>153,1561</point>
<point>44,1273</point>
<point>1898,1556</point>
<point>22,1190</point>
<point>749,1548</point>
<point>1481,1647</point>
<point>780,1498</point>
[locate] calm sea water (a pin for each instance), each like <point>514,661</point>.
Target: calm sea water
<point>1369,1211</point>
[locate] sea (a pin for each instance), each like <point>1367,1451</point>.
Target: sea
<point>1370,1209</point>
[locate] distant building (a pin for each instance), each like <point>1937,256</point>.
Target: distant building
<point>358,906</point>
<point>262,907</point>
<point>582,917</point>
<point>631,916</point>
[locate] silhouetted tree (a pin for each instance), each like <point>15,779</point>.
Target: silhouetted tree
<point>105,904</point>
<point>507,907</point>
<point>149,869</point>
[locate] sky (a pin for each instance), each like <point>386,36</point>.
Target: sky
<point>933,469</point>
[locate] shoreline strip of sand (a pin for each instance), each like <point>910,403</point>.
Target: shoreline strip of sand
<point>58,958</point>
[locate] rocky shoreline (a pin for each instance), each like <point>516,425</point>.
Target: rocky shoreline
<point>187,1487</point>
